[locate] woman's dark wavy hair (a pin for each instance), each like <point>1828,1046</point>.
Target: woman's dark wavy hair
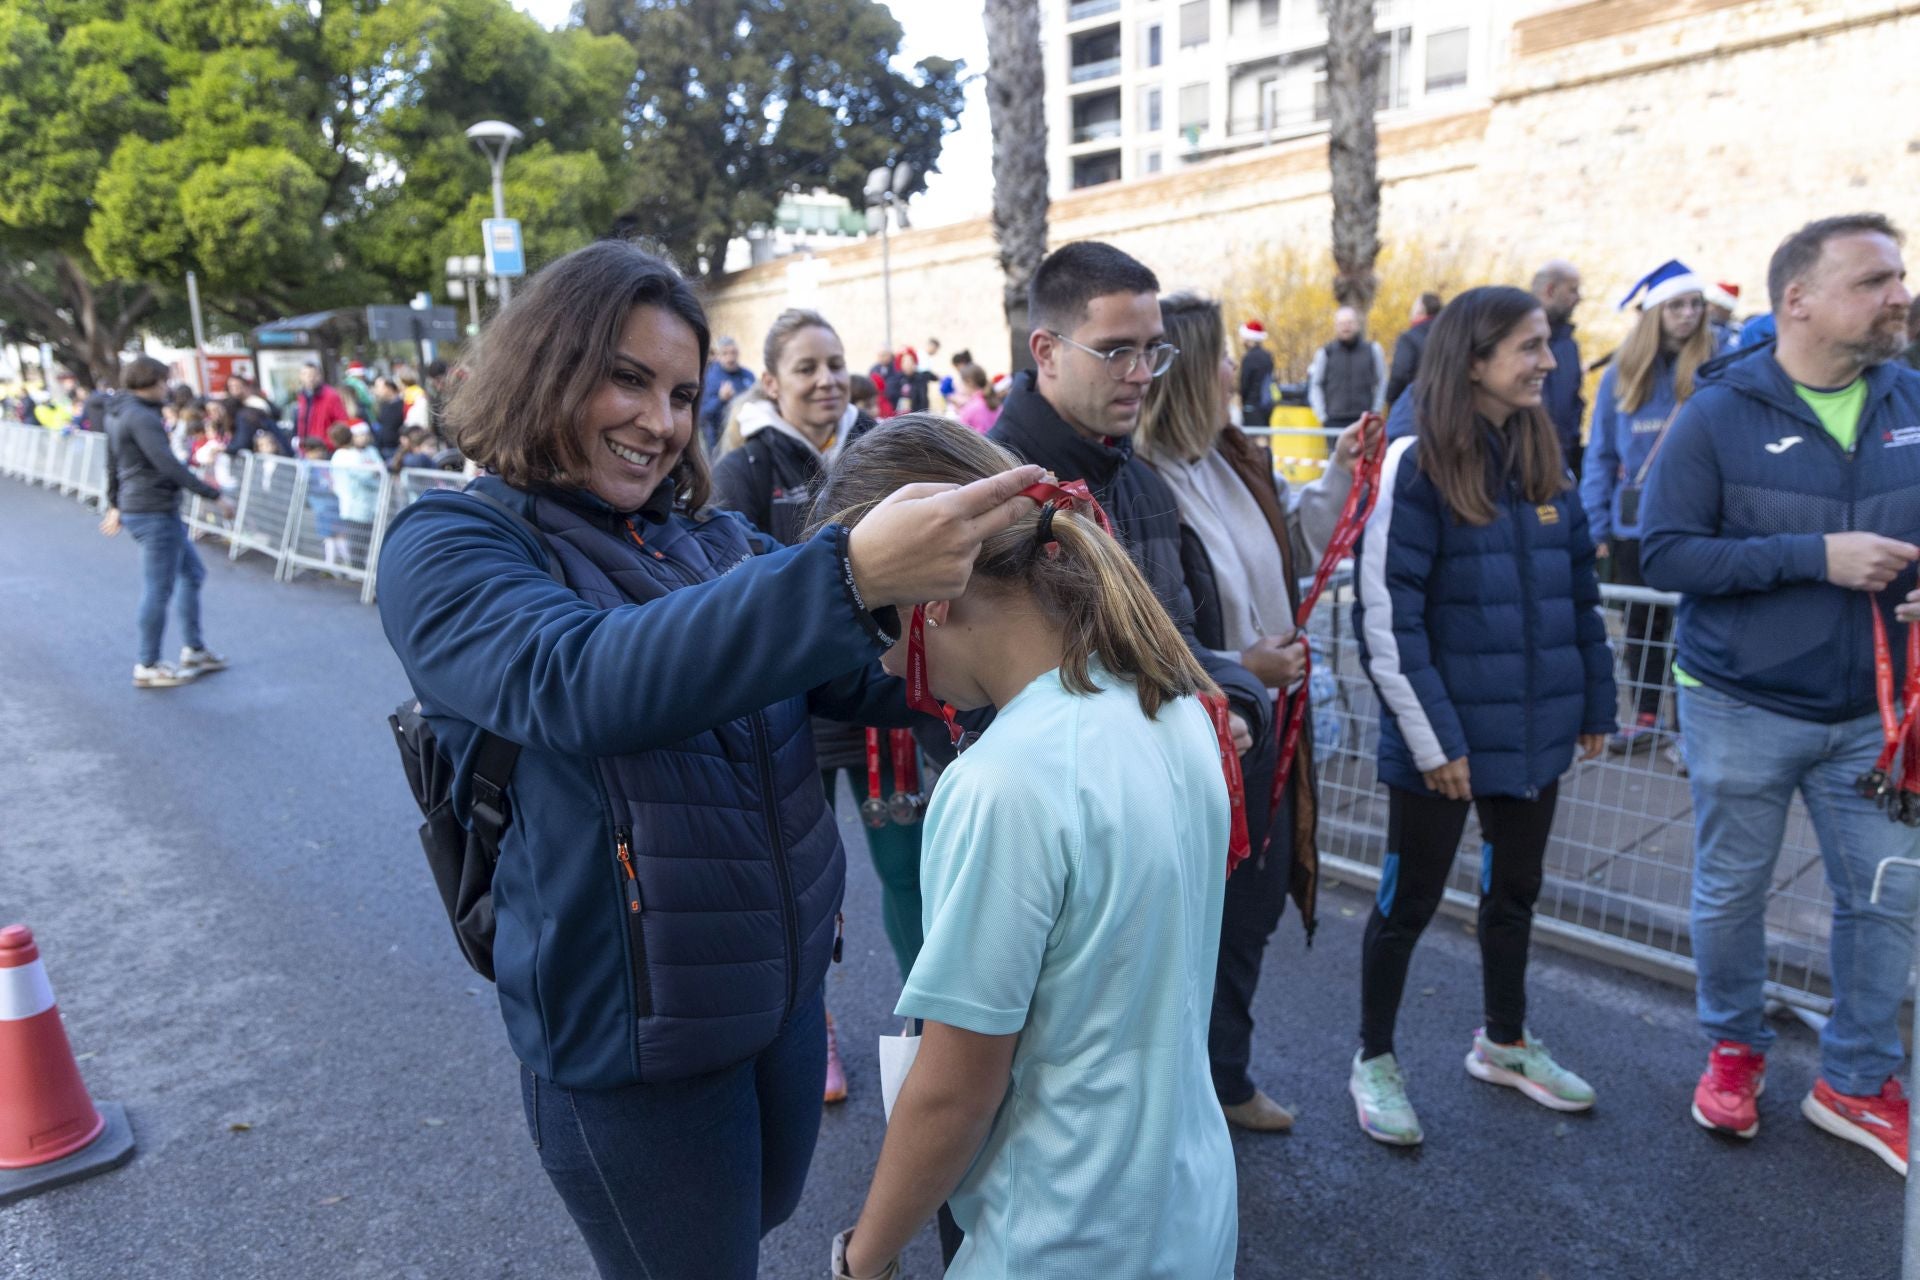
<point>549,350</point>
<point>1453,445</point>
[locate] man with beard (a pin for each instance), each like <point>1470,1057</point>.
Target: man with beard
<point>1785,507</point>
<point>1557,285</point>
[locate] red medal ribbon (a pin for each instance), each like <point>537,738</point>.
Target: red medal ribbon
<point>873,765</point>
<point>1894,782</point>
<point>919,693</point>
<point>1238,845</point>
<point>906,766</point>
<point>1346,535</point>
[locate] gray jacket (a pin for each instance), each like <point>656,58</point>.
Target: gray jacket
<point>143,476</point>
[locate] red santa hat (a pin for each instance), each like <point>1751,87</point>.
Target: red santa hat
<point>1253,331</point>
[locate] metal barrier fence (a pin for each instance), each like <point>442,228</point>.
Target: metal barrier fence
<point>1619,867</point>
<point>322,518</point>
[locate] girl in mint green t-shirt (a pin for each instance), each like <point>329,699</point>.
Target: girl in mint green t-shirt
<point>1074,863</point>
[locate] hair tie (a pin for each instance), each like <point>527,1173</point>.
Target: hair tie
<point>1044,533</point>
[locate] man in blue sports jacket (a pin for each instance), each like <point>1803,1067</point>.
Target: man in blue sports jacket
<point>1786,507</point>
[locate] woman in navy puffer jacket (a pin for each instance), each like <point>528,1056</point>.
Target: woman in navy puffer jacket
<point>667,891</point>
<point>1479,624</point>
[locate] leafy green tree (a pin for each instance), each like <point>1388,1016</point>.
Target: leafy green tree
<point>738,102</point>
<point>297,157</point>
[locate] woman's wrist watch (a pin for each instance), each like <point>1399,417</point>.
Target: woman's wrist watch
<point>840,1269</point>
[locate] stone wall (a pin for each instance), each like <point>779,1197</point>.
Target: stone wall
<point>1623,133</point>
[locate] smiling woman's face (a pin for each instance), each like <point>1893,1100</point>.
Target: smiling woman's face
<point>633,430</point>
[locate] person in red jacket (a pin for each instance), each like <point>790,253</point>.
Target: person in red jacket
<point>321,407</point>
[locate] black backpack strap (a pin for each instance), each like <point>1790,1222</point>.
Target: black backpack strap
<point>492,770</point>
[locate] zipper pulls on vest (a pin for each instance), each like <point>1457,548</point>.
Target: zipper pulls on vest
<point>624,852</point>
<point>641,542</point>
<point>839,931</point>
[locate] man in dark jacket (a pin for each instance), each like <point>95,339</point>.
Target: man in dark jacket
<point>1411,346</point>
<point>144,481</point>
<point>1557,285</point>
<point>1094,312</point>
<point>1256,375</point>
<point>1785,507</point>
<point>1348,376</point>
<point>1097,342</point>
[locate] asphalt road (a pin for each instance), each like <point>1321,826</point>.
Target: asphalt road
<point>250,956</point>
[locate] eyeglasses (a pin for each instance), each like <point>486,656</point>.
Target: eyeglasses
<point>1121,362</point>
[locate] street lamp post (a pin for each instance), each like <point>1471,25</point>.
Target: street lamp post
<point>465,273</point>
<point>886,194</point>
<point>495,138</point>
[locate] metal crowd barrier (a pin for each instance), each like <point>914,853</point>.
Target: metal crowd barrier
<point>305,517</point>
<point>1619,867</point>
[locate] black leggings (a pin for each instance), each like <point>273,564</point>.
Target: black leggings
<point>1647,654</point>
<point>1423,834</point>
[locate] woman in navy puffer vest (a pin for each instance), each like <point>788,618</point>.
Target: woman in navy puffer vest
<point>1479,623</point>
<point>667,892</point>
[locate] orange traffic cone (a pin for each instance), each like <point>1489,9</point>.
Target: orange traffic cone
<point>50,1131</point>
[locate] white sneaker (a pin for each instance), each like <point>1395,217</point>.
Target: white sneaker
<point>159,676</point>
<point>198,662</point>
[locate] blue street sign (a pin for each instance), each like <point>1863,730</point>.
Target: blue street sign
<point>505,255</point>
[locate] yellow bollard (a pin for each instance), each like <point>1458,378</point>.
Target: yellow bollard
<point>1300,458</point>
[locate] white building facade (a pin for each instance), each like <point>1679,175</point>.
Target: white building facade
<point>1137,87</point>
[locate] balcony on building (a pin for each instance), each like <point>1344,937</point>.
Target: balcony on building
<point>1081,10</point>
<point>1092,170</point>
<point>1094,56</point>
<point>1276,97</point>
<point>1096,118</point>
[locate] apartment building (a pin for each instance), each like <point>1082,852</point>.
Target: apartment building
<point>1137,87</point>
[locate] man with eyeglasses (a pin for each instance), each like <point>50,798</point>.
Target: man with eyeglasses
<point>1097,342</point>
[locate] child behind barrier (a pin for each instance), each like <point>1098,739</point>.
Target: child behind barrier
<point>1073,872</point>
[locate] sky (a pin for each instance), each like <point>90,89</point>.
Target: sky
<point>963,188</point>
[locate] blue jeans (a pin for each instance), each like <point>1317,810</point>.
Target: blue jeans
<point>172,570</point>
<point>679,1180</point>
<point>1745,764</point>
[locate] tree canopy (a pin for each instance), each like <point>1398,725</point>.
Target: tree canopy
<point>299,156</point>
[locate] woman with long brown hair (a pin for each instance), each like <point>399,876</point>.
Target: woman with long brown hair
<point>668,874</point>
<point>1073,874</point>
<point>1247,538</point>
<point>1478,616</point>
<point>1640,395</point>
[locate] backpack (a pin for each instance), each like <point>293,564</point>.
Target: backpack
<point>462,858</point>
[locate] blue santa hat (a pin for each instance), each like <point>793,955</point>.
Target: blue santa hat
<point>1668,280</point>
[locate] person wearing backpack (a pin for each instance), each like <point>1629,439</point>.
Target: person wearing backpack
<point>669,875</point>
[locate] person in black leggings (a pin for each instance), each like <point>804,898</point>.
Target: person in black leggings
<point>1478,616</point>
<point>1423,834</point>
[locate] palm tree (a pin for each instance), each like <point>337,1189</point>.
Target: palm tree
<point>1353,79</point>
<point>1016,108</point>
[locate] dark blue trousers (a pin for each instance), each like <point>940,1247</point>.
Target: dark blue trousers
<point>679,1180</point>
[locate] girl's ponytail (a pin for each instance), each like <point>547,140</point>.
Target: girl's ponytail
<point>1109,613</point>
<point>1076,572</point>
